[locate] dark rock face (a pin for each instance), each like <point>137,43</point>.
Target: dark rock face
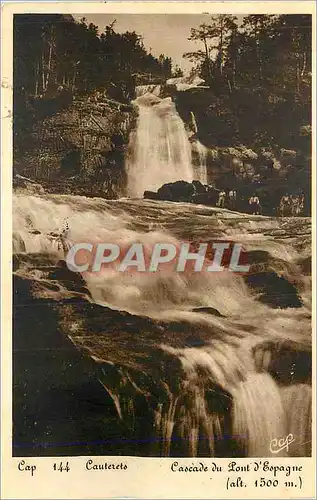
<point>270,285</point>
<point>207,198</point>
<point>68,353</point>
<point>192,192</point>
<point>208,310</point>
<point>176,191</point>
<point>282,360</point>
<point>151,195</point>
<point>274,290</point>
<point>59,406</point>
<point>83,142</point>
<point>199,187</point>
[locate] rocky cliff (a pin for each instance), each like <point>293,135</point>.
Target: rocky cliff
<point>77,148</point>
<point>237,158</point>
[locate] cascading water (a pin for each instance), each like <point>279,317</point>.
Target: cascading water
<point>199,154</point>
<point>213,385</point>
<point>200,166</point>
<point>159,148</point>
<point>150,88</point>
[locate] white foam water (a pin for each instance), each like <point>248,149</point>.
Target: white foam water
<point>260,409</point>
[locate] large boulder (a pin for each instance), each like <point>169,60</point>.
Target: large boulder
<point>192,192</point>
<point>274,283</point>
<point>176,191</point>
<point>151,195</point>
<point>199,187</point>
<point>210,197</point>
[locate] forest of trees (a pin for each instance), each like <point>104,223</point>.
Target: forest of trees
<point>58,61</point>
<point>259,72</point>
<point>53,50</point>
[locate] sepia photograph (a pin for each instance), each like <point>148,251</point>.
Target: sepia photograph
<point>162,213</point>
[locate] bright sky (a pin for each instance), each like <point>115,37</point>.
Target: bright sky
<point>163,33</point>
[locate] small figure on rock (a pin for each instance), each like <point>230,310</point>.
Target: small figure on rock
<point>255,206</point>
<point>232,199</point>
<point>222,199</point>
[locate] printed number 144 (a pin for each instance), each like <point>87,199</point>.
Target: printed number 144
<point>61,467</point>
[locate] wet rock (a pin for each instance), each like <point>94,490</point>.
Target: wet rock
<point>208,310</point>
<point>199,187</point>
<point>150,195</point>
<point>207,198</point>
<point>176,191</point>
<point>54,386</point>
<point>27,186</point>
<point>71,280</point>
<point>34,261</point>
<point>194,342</point>
<point>305,265</point>
<point>275,291</point>
<point>192,192</point>
<point>286,361</point>
<point>63,346</point>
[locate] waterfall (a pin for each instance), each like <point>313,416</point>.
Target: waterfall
<point>144,89</point>
<point>200,168</point>
<point>199,153</point>
<point>193,122</point>
<point>159,148</point>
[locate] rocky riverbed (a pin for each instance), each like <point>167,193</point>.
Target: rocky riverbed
<point>175,364</point>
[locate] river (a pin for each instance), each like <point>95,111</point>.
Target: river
<point>199,364</point>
